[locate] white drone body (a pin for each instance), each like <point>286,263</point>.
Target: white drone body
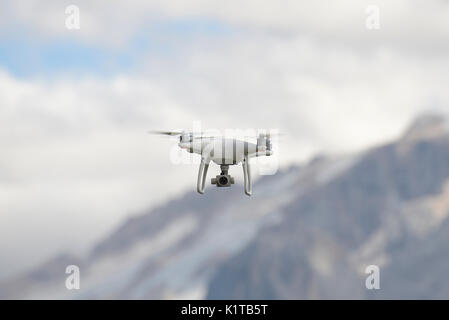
<point>224,152</point>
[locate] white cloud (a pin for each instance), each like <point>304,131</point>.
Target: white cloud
<point>76,159</point>
<point>410,25</point>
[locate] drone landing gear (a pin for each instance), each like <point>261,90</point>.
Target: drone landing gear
<point>223,179</point>
<point>202,173</point>
<point>247,176</point>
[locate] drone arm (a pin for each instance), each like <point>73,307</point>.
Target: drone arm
<point>247,176</point>
<point>202,173</point>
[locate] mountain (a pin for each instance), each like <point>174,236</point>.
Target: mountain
<point>389,209</point>
<point>307,232</point>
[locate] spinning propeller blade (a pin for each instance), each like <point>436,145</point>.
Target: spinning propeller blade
<point>178,133</point>
<point>166,133</point>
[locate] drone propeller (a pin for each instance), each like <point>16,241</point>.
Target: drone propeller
<point>178,133</point>
<point>210,134</point>
<point>166,133</point>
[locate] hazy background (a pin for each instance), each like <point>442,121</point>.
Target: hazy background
<point>75,105</point>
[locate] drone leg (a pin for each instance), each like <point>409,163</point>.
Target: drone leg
<point>247,176</point>
<point>206,167</point>
<point>202,173</point>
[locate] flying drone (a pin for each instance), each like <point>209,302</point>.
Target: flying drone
<point>224,151</point>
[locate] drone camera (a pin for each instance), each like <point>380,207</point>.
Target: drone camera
<point>223,180</point>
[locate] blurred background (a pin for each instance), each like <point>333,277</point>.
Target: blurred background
<point>360,88</point>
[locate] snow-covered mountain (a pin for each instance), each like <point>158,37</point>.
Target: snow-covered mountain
<point>307,232</point>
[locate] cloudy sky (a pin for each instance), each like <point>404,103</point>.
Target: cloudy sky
<point>75,105</point>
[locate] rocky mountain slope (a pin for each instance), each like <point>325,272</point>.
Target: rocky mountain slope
<point>389,209</point>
